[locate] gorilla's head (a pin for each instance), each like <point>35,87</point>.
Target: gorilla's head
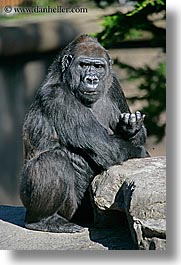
<point>86,68</point>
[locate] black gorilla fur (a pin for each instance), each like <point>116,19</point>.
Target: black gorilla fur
<point>78,125</point>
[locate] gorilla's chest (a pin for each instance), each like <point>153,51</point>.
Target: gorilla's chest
<point>106,114</point>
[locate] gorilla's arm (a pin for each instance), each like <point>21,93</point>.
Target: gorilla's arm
<point>129,126</point>
<point>77,128</point>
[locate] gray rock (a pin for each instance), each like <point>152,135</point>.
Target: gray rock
<point>138,188</point>
<point>15,237</point>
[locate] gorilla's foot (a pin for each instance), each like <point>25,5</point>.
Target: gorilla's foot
<point>54,224</point>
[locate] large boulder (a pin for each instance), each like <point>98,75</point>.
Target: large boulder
<point>138,189</point>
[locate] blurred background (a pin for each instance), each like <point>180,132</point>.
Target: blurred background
<point>133,32</point>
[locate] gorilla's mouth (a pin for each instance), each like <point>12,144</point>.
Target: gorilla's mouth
<point>90,92</point>
<point>88,97</point>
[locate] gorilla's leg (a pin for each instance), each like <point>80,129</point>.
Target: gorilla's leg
<point>56,224</point>
<point>48,193</point>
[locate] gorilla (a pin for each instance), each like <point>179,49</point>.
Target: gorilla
<point>78,125</point>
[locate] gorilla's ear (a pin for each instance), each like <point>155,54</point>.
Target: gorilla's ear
<point>66,60</point>
<point>110,62</point>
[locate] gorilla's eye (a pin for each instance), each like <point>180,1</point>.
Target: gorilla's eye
<point>83,64</point>
<point>98,65</point>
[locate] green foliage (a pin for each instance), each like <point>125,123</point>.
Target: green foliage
<point>136,25</point>
<point>144,3</point>
<point>118,27</point>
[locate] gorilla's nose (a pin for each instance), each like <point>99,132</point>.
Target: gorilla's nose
<point>91,80</point>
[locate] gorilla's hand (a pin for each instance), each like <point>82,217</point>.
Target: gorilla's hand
<point>130,124</point>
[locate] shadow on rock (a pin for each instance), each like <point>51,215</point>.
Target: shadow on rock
<point>113,232</point>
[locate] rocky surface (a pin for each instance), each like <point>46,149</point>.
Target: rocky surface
<point>129,206</point>
<point>15,237</point>
<point>138,188</point>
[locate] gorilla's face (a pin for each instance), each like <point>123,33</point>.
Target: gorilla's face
<point>90,73</point>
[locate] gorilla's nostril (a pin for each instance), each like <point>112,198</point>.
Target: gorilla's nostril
<point>91,79</point>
